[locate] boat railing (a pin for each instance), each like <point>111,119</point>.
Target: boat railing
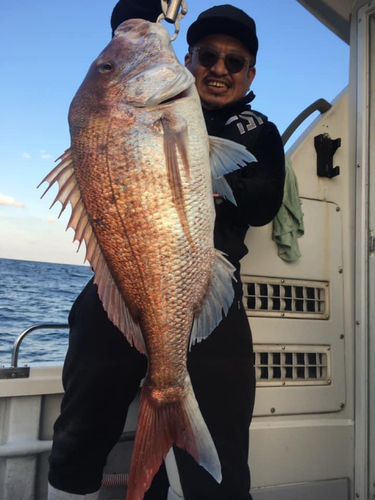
<point>14,371</point>
<point>37,446</point>
<point>320,105</point>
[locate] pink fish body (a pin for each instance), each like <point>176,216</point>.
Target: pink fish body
<point>138,178</point>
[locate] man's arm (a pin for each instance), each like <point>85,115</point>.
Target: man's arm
<point>259,187</point>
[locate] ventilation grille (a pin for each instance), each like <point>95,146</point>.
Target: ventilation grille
<point>292,365</point>
<point>286,298</point>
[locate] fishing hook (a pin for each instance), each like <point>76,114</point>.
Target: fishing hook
<point>172,12</point>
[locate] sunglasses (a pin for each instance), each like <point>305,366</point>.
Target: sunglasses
<point>209,57</point>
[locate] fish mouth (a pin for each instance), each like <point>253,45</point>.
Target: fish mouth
<point>178,97</point>
<point>180,87</point>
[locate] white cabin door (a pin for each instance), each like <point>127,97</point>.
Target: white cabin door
<point>371,147</point>
<point>365,257</point>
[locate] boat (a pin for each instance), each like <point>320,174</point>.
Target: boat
<point>313,433</point>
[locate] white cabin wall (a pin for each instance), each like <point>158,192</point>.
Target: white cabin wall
<point>306,433</point>
<point>28,408</point>
<point>363,76</point>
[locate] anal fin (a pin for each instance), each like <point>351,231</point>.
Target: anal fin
<point>218,299</point>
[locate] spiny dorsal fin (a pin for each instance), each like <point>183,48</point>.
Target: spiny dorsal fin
<point>79,221</point>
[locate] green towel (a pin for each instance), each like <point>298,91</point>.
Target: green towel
<point>288,223</point>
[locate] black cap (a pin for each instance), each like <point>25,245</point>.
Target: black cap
<point>227,20</point>
<point>128,9</point>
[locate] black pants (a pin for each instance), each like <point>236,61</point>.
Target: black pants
<point>101,376</point>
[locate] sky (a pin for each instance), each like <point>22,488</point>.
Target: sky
<point>47,48</point>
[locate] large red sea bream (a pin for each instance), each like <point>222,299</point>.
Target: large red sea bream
<point>138,176</point>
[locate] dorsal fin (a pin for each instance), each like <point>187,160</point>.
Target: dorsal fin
<point>79,221</point>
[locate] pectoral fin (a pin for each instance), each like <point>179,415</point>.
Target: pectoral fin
<point>175,141</point>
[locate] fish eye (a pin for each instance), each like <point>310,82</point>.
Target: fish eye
<point>105,68</point>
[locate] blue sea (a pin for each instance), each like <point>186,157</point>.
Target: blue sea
<point>32,293</point>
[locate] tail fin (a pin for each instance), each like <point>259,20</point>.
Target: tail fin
<point>159,427</point>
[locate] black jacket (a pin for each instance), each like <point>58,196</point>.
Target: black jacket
<point>258,188</point>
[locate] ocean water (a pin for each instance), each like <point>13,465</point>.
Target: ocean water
<point>32,293</point>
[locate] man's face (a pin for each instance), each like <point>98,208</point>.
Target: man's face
<point>216,85</point>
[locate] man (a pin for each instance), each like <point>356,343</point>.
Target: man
<point>102,372</point>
